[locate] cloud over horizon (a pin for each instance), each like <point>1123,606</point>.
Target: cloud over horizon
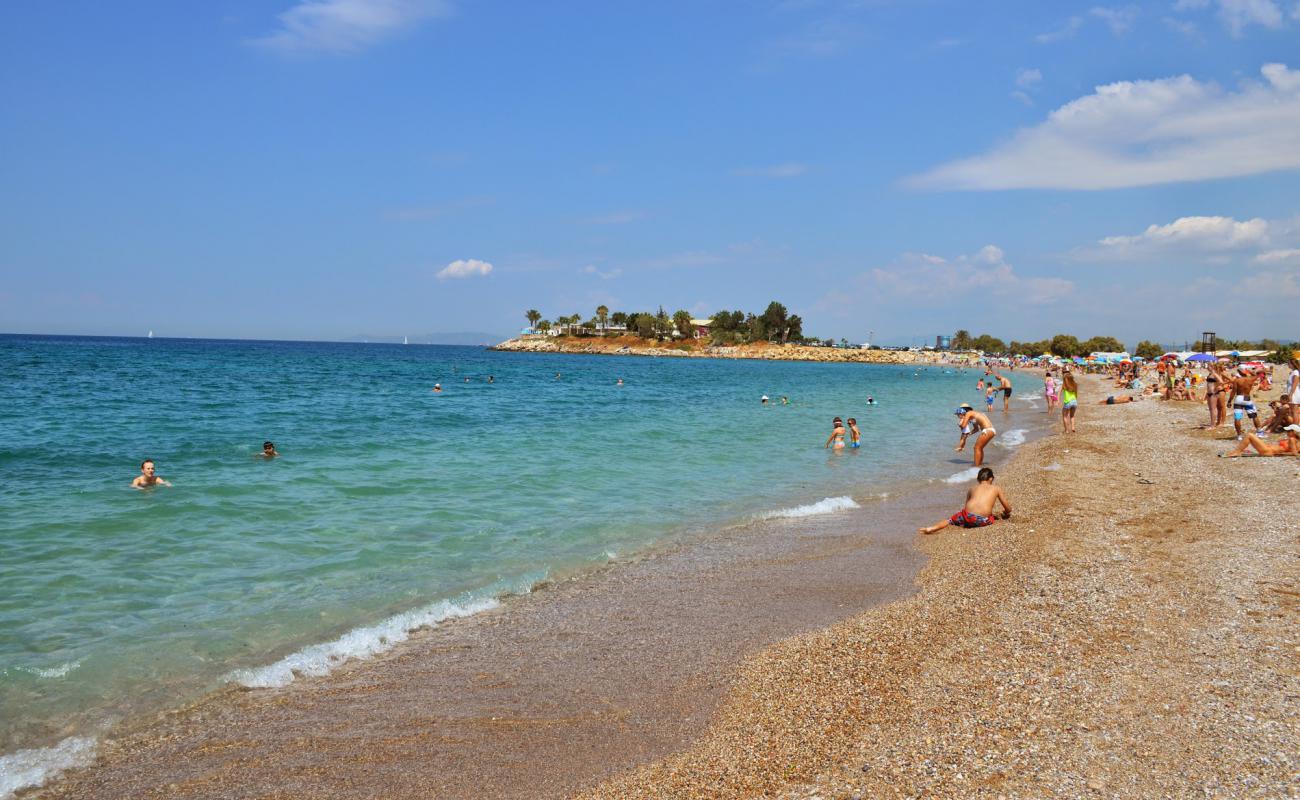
<point>346,26</point>
<point>464,268</point>
<point>1143,133</point>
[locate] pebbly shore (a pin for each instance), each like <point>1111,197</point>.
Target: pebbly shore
<point>1132,633</point>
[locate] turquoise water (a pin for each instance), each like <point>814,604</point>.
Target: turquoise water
<point>390,505</point>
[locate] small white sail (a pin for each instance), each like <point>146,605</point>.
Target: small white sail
<point>150,334</point>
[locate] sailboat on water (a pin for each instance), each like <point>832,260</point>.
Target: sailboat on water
<point>150,334</point>
<point>405,340</point>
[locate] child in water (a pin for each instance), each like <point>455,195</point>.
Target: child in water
<point>855,435</point>
<point>837,435</point>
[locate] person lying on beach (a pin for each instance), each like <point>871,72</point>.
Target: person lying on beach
<point>1283,415</point>
<point>147,479</point>
<point>1289,446</point>
<point>970,422</point>
<point>268,450</point>
<point>1117,399</point>
<point>837,434</point>
<point>978,511</point>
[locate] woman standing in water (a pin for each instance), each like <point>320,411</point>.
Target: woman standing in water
<point>1069,400</point>
<point>837,435</point>
<point>1049,390</point>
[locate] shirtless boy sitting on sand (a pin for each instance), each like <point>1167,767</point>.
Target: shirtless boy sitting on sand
<point>978,511</point>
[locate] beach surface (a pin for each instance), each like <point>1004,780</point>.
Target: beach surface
<point>1130,633</point>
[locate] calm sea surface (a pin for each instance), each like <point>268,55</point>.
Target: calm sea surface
<point>390,506</point>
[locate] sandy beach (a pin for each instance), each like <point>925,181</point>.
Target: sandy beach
<point>1131,633</point>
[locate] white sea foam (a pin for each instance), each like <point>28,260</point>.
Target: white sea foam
<point>57,672</point>
<point>25,768</point>
<point>320,659</point>
<point>1012,438</point>
<point>827,506</point>
<point>963,476</point>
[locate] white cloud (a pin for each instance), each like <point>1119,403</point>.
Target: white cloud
<point>1236,15</point>
<point>347,26</point>
<point>1028,78</point>
<point>1290,255</point>
<point>1119,20</point>
<point>1143,133</point>
<point>788,170</point>
<point>464,268</point>
<point>1204,239</point>
<point>591,269</point>
<point>985,273</point>
<point>1066,31</point>
<point>1184,27</point>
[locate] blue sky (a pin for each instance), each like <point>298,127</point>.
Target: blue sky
<point>324,168</point>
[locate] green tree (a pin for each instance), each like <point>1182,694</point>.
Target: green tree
<point>618,318</point>
<point>793,329</point>
<point>682,321</point>
<point>645,326</point>
<point>602,315</point>
<point>1065,345</point>
<point>961,340</point>
<point>755,328</point>
<point>775,320</point>
<point>533,315</point>
<point>1148,349</point>
<point>544,325</point>
<point>988,344</point>
<point>1102,344</point>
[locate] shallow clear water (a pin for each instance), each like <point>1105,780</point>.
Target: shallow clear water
<point>387,500</point>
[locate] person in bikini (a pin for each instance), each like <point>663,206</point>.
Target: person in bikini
<point>837,434</point>
<point>971,422</point>
<point>1049,390</point>
<point>1213,383</point>
<point>1289,445</point>
<point>978,510</point>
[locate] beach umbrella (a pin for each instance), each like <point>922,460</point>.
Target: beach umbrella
<point>1201,357</point>
<point>1126,361</point>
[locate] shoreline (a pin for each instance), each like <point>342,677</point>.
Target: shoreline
<point>1130,633</point>
<point>128,757</point>
<point>762,351</point>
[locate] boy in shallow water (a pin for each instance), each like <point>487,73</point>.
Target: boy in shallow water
<point>978,511</point>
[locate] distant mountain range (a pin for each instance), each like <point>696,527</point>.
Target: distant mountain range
<point>457,337</point>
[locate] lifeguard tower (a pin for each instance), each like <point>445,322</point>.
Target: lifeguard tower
<point>1208,342</point>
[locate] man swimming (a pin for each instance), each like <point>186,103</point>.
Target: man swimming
<point>147,479</point>
<point>970,422</point>
<point>978,510</point>
<point>437,388</point>
<point>268,450</point>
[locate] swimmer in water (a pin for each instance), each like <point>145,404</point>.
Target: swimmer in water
<point>785,401</point>
<point>557,376</point>
<point>837,435</point>
<point>437,388</point>
<point>855,435</point>
<point>763,400</point>
<point>871,401</point>
<point>268,450</point>
<point>620,382</point>
<point>147,479</point>
<point>491,379</point>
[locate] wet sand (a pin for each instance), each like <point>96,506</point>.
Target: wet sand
<point>553,692</point>
<point>1132,633</point>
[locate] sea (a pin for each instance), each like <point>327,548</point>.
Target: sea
<point>391,507</point>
